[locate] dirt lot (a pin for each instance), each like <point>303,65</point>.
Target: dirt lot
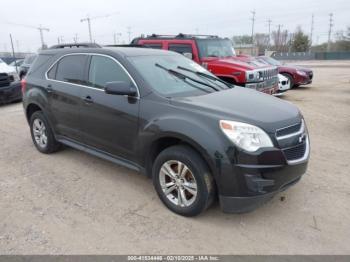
<point>74,203</point>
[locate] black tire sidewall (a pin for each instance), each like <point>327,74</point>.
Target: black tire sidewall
<point>51,142</point>
<point>199,170</point>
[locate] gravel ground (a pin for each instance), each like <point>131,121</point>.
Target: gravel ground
<point>74,203</point>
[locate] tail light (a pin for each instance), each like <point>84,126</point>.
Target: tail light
<point>23,85</point>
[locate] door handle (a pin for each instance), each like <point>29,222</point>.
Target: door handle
<point>49,88</point>
<point>88,100</point>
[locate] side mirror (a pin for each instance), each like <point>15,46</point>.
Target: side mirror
<point>120,88</point>
<point>188,55</point>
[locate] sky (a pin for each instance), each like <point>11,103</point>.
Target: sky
<point>220,17</point>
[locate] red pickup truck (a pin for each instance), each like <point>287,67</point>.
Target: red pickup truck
<point>218,56</point>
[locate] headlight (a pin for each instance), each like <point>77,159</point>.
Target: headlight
<point>254,76</point>
<point>301,73</point>
<point>14,75</point>
<point>247,137</point>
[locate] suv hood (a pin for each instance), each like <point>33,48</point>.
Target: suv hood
<point>237,62</point>
<point>245,105</point>
<point>4,68</point>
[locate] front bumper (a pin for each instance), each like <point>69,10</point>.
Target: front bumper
<point>269,86</point>
<point>304,79</point>
<point>248,180</point>
<point>10,93</point>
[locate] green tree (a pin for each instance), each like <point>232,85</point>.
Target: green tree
<point>301,42</point>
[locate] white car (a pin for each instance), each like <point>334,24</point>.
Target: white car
<point>10,86</point>
<point>283,85</point>
<point>9,70</point>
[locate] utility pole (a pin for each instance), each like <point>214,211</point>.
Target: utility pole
<point>312,29</point>
<point>41,29</point>
<point>116,38</point>
<point>75,38</point>
<point>330,31</point>
<point>88,20</point>
<point>13,52</point>
<point>279,36</point>
<point>129,33</point>
<point>269,25</point>
<point>253,22</point>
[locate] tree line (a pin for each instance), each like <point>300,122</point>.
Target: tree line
<point>297,41</point>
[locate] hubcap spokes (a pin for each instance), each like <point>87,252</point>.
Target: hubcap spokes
<point>178,183</point>
<point>39,131</point>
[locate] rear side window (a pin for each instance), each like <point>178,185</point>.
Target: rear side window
<point>181,48</point>
<point>103,70</point>
<point>71,69</point>
<point>154,46</point>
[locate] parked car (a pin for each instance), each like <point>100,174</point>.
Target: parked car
<point>218,56</point>
<point>10,87</point>
<point>161,114</point>
<point>23,69</point>
<point>16,64</point>
<point>297,75</point>
<point>283,85</point>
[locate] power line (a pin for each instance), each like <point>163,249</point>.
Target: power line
<point>88,20</point>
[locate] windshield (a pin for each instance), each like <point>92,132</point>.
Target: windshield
<point>215,48</point>
<point>271,61</point>
<point>152,69</point>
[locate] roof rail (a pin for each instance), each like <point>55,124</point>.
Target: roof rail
<point>181,35</point>
<point>131,45</point>
<point>75,45</point>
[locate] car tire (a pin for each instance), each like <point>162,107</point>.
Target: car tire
<point>42,134</point>
<point>290,78</point>
<point>197,189</point>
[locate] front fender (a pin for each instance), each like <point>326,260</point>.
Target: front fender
<point>205,138</point>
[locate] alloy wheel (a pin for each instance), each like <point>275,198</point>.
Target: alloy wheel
<point>178,183</point>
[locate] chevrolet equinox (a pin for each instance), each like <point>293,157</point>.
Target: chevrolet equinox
<point>159,113</point>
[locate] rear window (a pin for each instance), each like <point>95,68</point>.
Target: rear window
<point>71,69</point>
<point>29,59</point>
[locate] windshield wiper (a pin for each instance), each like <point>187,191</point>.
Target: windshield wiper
<point>184,77</point>
<point>206,76</point>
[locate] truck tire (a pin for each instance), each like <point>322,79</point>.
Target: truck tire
<point>183,181</point>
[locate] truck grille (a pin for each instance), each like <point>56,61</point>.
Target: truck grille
<point>296,152</point>
<point>269,73</point>
<point>4,79</point>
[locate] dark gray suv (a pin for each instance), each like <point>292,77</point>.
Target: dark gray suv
<point>165,116</point>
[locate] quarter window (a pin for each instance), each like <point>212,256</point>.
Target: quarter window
<point>181,48</point>
<point>71,69</point>
<point>154,46</point>
<point>103,70</point>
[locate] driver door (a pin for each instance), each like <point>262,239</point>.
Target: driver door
<point>109,122</point>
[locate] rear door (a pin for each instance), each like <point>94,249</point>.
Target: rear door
<point>109,122</point>
<point>65,84</point>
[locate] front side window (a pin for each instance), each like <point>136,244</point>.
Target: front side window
<point>103,70</point>
<point>181,48</point>
<point>71,69</point>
